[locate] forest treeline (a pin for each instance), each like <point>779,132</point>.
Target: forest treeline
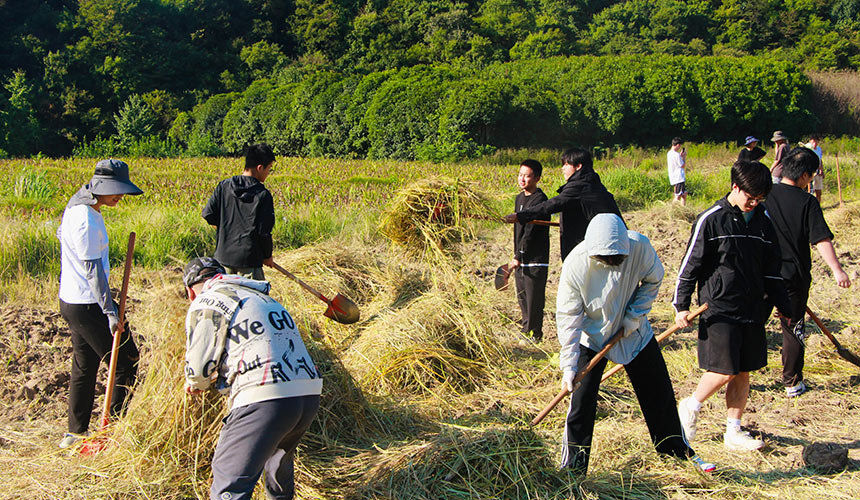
<point>144,76</point>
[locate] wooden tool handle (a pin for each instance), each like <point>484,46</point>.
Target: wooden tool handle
<point>114,351</point>
<point>538,222</point>
<point>614,340</point>
<point>300,282</point>
<point>669,331</point>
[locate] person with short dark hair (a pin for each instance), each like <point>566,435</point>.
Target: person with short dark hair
<point>243,213</point>
<point>733,258</point>
<point>751,151</point>
<point>245,345</point>
<point>608,283</point>
<point>799,223</point>
<point>85,297</point>
<point>531,252</point>
<point>579,199</point>
<point>817,183</point>
<point>676,160</point>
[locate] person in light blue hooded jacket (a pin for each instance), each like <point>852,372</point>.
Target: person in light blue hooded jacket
<point>609,282</point>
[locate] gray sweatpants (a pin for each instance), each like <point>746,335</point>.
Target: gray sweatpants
<point>257,437</point>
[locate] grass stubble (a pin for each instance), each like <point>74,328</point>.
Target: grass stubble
<point>429,395</point>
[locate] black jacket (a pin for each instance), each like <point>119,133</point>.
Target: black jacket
<point>242,210</point>
<point>579,200</point>
<point>531,242</point>
<point>735,265</point>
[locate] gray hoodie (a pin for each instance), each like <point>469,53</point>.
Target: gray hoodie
<point>595,300</point>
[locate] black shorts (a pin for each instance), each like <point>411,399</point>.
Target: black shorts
<point>731,348</point>
<point>679,188</point>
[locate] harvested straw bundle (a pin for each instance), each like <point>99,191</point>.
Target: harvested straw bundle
<point>436,341</point>
<point>497,462</point>
<point>431,213</point>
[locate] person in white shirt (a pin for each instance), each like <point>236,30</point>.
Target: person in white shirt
<point>85,298</point>
<point>676,159</point>
<point>817,183</point>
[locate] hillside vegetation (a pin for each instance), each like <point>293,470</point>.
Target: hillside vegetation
<point>116,74</point>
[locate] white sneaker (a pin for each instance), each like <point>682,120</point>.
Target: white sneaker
<point>702,465</point>
<point>70,439</point>
<point>796,390</point>
<point>688,419</point>
<point>739,440</point>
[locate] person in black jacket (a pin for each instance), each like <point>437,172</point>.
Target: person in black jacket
<point>531,252</point>
<point>733,257</point>
<point>799,223</point>
<point>243,213</point>
<point>580,198</point>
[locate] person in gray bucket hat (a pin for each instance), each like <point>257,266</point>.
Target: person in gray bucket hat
<point>85,297</point>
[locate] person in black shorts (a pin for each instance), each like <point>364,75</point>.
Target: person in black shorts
<point>733,257</point>
<point>799,223</point>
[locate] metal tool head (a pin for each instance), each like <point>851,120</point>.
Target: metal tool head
<point>342,310</point>
<point>501,279</point>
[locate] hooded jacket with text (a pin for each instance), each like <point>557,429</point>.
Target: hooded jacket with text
<point>245,344</point>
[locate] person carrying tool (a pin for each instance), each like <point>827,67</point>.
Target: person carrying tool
<point>799,223</point>
<point>579,199</point>
<point>817,183</point>
<point>245,345</point>
<point>531,253</point>
<point>243,213</point>
<point>85,297</point>
<point>733,257</point>
<point>608,282</point>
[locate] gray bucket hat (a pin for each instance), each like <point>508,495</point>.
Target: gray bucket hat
<point>201,269</point>
<point>111,178</point>
<point>777,136</point>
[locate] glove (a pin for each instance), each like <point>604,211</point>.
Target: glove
<point>567,380</point>
<point>113,323</point>
<point>630,325</point>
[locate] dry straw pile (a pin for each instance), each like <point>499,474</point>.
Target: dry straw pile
<point>432,213</point>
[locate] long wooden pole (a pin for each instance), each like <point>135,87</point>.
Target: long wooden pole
<point>591,364</point>
<point>838,180</point>
<point>672,329</point>
<point>114,352</point>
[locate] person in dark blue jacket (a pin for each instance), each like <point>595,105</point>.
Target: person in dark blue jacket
<point>243,213</point>
<point>733,257</point>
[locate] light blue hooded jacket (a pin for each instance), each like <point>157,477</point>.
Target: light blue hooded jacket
<point>595,300</point>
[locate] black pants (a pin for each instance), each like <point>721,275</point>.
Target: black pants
<point>653,389</point>
<point>793,349</point>
<point>91,344</point>
<point>531,294</point>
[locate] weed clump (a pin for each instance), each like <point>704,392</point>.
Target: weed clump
<point>431,213</point>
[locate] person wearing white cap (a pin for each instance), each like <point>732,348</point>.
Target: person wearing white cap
<point>85,298</point>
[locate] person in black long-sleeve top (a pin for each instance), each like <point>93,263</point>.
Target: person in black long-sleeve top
<point>733,257</point>
<point>531,252</point>
<point>580,198</point>
<point>243,213</point>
